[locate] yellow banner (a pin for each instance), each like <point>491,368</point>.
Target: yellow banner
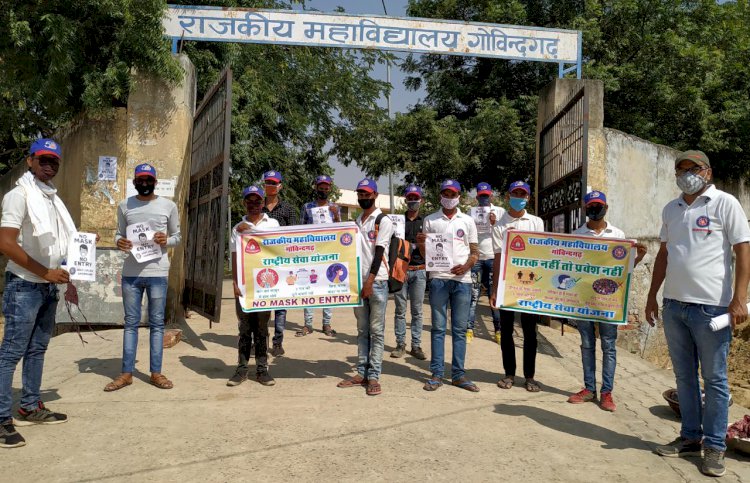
<point>571,276</point>
<point>299,267</point>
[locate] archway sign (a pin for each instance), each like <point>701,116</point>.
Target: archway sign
<point>449,37</point>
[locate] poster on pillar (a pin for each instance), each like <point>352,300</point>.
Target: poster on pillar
<point>296,267</point>
<point>570,276</point>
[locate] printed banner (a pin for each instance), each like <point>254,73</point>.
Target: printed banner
<point>299,267</point>
<point>439,248</point>
<point>144,247</point>
<point>81,258</point>
<point>571,276</point>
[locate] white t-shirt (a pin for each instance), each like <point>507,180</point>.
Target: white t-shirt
<point>525,222</point>
<point>608,232</point>
<point>699,240</point>
<point>486,250</point>
<point>367,240</point>
<point>266,223</point>
<point>15,215</point>
<point>464,232</point>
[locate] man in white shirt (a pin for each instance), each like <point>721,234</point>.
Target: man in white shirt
<point>516,218</point>
<point>374,238</point>
<point>481,272</point>
<point>596,206</point>
<point>700,229</point>
<point>253,325</point>
<point>451,288</point>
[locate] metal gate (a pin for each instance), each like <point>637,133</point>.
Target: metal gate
<point>208,200</point>
<point>562,164</point>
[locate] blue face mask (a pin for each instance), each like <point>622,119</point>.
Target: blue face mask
<point>484,200</point>
<point>518,204</point>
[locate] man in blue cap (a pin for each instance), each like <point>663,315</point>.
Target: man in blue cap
<point>253,326</point>
<point>161,215</point>
<point>34,234</point>
<point>322,193</point>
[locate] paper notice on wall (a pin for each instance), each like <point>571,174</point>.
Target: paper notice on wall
<point>144,247</point>
<point>439,247</point>
<point>107,168</point>
<point>164,187</point>
<point>321,215</point>
<point>81,258</point>
<point>399,225</point>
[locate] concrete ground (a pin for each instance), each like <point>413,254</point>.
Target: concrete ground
<point>304,428</point>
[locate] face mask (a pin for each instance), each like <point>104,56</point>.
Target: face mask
<point>484,201</point>
<point>690,183</point>
<point>365,203</point>
<point>518,204</point>
<point>145,189</point>
<point>596,212</point>
<point>412,205</point>
<point>449,203</point>
<point>272,189</point>
<point>322,195</point>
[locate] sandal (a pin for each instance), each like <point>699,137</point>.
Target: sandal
<point>464,383</point>
<point>353,382</point>
<point>505,383</point>
<point>118,383</point>
<point>373,388</point>
<point>432,384</point>
<point>327,330</point>
<point>532,385</point>
<point>303,331</point>
<point>161,381</point>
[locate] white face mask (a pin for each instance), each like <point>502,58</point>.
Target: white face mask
<point>690,183</point>
<point>449,203</point>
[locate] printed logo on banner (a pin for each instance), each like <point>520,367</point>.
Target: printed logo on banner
<point>619,252</point>
<point>346,239</point>
<point>702,221</point>
<point>518,244</point>
<point>336,273</point>
<point>252,247</point>
<point>267,278</point>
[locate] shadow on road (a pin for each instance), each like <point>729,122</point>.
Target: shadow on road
<point>109,368</point>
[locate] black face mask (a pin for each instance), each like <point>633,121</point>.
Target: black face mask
<point>322,195</point>
<point>365,204</point>
<point>596,212</point>
<point>145,189</point>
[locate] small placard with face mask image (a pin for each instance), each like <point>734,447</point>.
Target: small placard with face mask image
<point>141,235</point>
<point>321,215</point>
<point>481,216</point>
<point>81,257</point>
<point>399,225</point>
<point>439,248</point>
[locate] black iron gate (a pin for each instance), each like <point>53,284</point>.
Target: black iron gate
<point>562,164</point>
<point>208,200</point>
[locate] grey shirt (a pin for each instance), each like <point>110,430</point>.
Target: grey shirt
<point>162,215</point>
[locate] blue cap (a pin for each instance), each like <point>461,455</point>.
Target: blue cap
<point>145,169</point>
<point>368,184</point>
<point>45,146</point>
<point>323,178</point>
<point>595,197</point>
<point>484,189</point>
<point>253,190</point>
<point>413,189</point>
<point>450,184</point>
<point>272,175</point>
<point>519,185</point>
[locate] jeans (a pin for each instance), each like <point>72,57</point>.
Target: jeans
<point>691,340</point>
<point>608,335</point>
<point>252,325</point>
<point>309,317</point>
<point>458,296</point>
<point>508,347</point>
<point>416,283</point>
<point>481,274</point>
<point>279,324</point>
<point>370,330</point>
<point>132,296</point>
<point>29,310</point>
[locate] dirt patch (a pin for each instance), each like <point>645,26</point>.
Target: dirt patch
<point>739,366</point>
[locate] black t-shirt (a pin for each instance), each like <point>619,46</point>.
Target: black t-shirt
<point>411,229</point>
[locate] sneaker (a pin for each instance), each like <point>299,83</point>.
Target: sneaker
<point>40,415</point>
<point>417,352</point>
<point>9,437</point>
<point>713,462</point>
<point>581,397</point>
<point>469,335</point>
<point>240,376</point>
<point>265,379</point>
<point>607,403</point>
<point>497,337</point>
<point>399,351</point>
<point>680,448</point>
<point>277,350</point>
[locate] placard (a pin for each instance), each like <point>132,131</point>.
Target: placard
<point>144,247</point>
<point>439,248</point>
<point>81,258</point>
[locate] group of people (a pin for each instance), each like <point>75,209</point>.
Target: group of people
<point>701,229</point>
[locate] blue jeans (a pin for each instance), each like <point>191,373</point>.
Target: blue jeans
<point>416,283</point>
<point>29,310</point>
<point>309,317</point>
<point>370,330</point>
<point>481,274</point>
<point>458,295</point>
<point>691,340</point>
<point>279,324</point>
<point>608,335</point>
<point>132,295</point>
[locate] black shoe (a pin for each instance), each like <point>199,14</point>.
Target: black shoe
<point>9,437</point>
<point>240,375</point>
<point>265,379</point>
<point>713,462</point>
<point>277,350</point>
<point>40,415</point>
<point>399,351</point>
<point>417,353</point>
<point>680,448</point>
